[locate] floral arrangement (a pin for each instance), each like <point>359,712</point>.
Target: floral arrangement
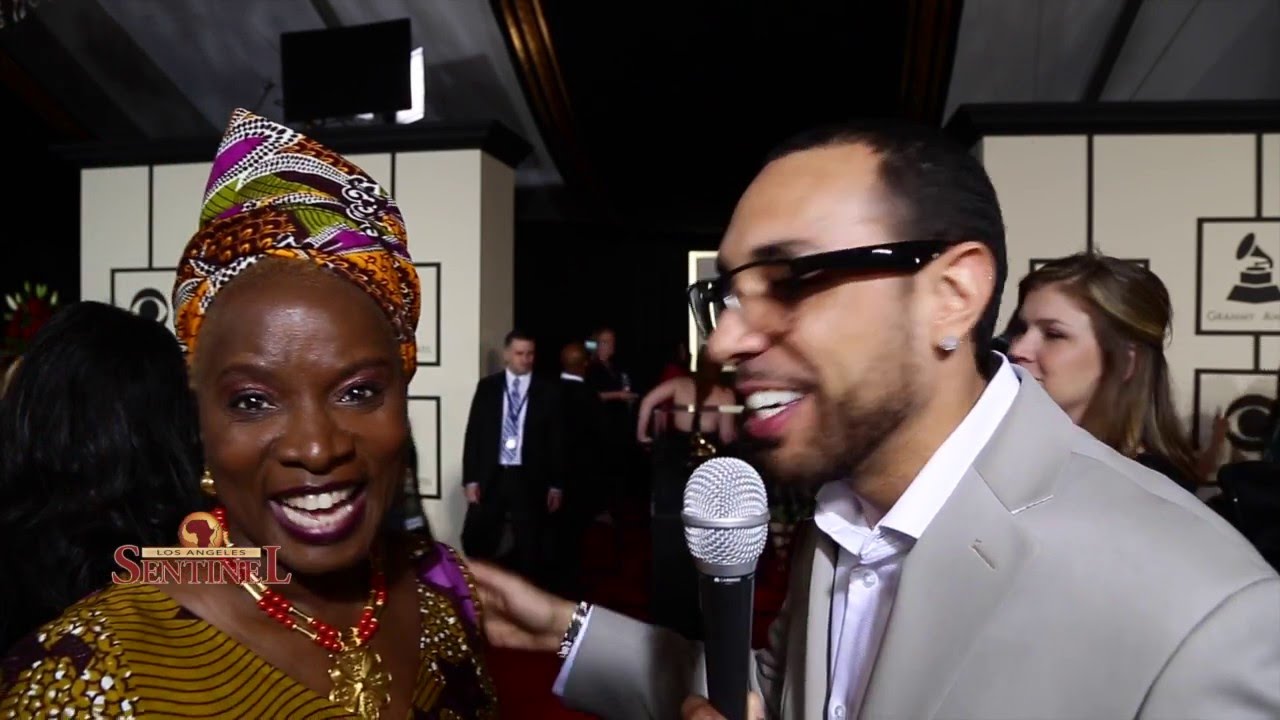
<point>25,312</point>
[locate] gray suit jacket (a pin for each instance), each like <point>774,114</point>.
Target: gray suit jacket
<point>1061,581</point>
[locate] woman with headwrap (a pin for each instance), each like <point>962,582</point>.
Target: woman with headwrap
<point>296,303</point>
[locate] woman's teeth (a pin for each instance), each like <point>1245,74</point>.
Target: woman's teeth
<point>318,502</point>
<point>767,403</point>
<point>317,522</point>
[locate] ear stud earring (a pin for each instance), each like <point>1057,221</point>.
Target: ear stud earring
<point>949,343</point>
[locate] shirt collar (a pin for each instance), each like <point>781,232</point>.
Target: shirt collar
<point>516,380</point>
<point>571,376</point>
<point>847,520</point>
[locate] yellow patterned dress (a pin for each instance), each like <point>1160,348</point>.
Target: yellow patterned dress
<point>131,650</point>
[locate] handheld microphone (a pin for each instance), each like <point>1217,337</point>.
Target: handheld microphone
<point>726,522</point>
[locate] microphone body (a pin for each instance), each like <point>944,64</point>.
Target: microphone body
<point>726,519</point>
<point>726,620</point>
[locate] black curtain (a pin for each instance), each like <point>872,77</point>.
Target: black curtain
<point>41,205</point>
<point>572,278</point>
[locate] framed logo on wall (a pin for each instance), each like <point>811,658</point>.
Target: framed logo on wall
<point>1244,397</point>
<point>144,292</point>
<point>1237,280</point>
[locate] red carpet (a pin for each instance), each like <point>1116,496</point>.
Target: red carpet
<point>617,576</point>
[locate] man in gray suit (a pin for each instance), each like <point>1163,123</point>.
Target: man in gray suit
<point>974,555</point>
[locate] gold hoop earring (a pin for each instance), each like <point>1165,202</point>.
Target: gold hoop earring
<point>207,485</point>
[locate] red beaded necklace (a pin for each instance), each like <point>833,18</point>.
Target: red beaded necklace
<point>280,609</point>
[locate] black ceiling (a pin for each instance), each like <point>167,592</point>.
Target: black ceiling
<point>648,116</point>
<point>658,115</point>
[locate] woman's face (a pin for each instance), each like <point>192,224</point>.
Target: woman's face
<point>1059,348</point>
<point>605,345</point>
<point>303,416</point>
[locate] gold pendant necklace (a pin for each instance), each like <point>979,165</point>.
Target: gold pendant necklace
<point>360,684</point>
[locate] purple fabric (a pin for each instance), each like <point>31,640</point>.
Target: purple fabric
<point>441,571</point>
<point>344,240</point>
<point>229,157</point>
<point>233,210</point>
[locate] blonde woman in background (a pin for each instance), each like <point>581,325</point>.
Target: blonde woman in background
<point>1092,330</point>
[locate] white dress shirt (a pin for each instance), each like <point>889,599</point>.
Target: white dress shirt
<point>570,376</point>
<point>872,548</point>
<point>515,384</point>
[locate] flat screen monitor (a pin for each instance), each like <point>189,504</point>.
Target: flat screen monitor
<point>347,71</point>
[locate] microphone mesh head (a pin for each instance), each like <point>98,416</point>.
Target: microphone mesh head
<point>725,489</point>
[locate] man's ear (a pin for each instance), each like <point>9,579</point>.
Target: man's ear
<point>964,281</point>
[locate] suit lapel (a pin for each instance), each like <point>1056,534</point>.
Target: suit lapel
<point>810,636</point>
<point>499,393</point>
<point>956,575</point>
<point>952,582</point>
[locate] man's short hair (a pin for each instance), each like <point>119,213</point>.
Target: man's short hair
<point>515,335</point>
<point>943,191</point>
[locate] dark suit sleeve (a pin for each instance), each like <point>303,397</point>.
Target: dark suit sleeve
<point>471,450</point>
<point>555,438</point>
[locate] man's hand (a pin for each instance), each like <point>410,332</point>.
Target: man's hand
<point>554,497</point>
<point>699,708</point>
<point>473,493</point>
<point>518,615</point>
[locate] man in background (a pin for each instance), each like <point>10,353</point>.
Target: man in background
<point>512,462</point>
<point>583,414</point>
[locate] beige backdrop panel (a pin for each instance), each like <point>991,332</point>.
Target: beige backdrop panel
<point>1042,185</point>
<point>1271,175</point>
<point>176,195</point>
<point>114,223</point>
<point>1271,208</point>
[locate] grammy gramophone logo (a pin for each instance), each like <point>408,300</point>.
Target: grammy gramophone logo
<point>1257,276</point>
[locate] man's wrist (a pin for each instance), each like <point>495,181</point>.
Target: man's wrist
<point>576,620</point>
<point>561,617</point>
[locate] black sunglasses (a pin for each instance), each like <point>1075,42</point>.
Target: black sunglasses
<point>791,278</point>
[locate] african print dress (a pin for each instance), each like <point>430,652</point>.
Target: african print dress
<point>131,650</point>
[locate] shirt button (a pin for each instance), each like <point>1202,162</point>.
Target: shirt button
<point>868,578</point>
<point>838,712</point>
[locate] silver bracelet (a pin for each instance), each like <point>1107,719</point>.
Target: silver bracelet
<point>575,627</point>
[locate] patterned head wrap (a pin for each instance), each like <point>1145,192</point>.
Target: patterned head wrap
<point>274,192</point>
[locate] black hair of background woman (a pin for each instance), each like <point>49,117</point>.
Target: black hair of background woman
<point>99,447</point>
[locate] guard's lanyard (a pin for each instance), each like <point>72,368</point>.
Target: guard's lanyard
<point>513,410</point>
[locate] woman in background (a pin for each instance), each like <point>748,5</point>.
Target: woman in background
<point>619,455</point>
<point>677,365</point>
<point>98,449</point>
<point>1092,329</point>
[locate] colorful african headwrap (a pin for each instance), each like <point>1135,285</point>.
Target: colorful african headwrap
<point>274,192</point>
